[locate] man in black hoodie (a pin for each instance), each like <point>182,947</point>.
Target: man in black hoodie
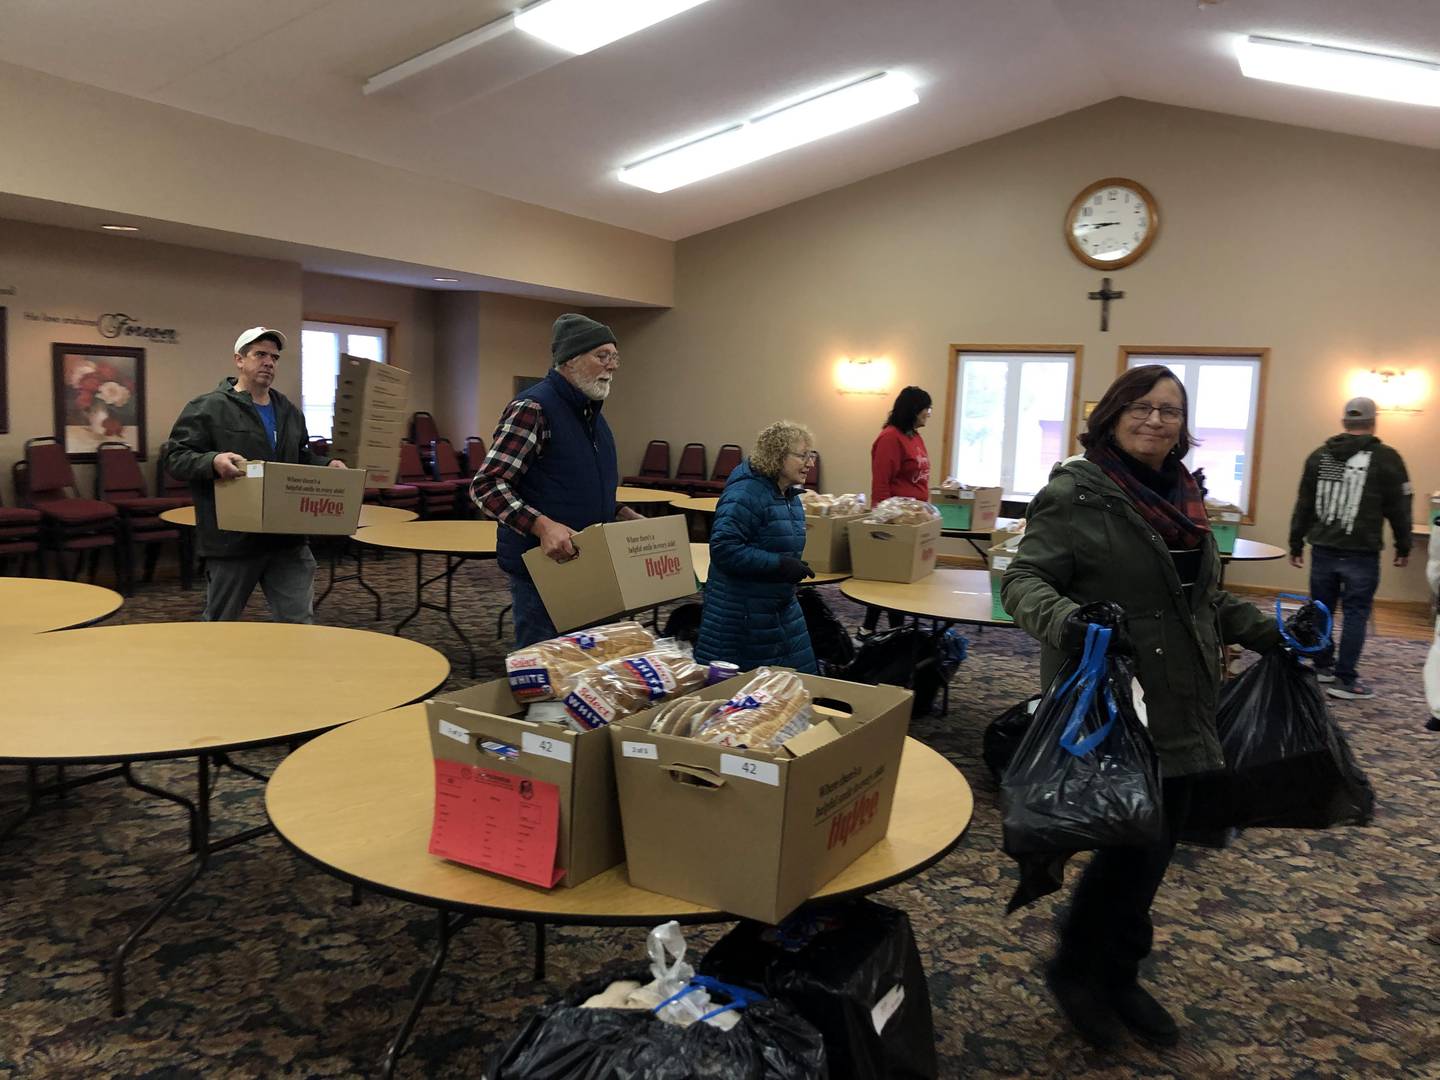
<point>1350,486</point>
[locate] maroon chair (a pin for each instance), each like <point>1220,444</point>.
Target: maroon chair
<point>44,481</point>
<point>445,467</point>
<point>167,486</point>
<point>437,497</point>
<point>320,446</point>
<point>20,536</point>
<point>691,469</point>
<point>423,433</point>
<point>119,482</point>
<point>725,462</point>
<point>474,453</point>
<point>812,478</point>
<point>654,466</point>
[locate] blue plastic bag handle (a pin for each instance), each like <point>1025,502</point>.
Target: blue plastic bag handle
<point>1091,674</point>
<point>739,996</point>
<point>1285,634</point>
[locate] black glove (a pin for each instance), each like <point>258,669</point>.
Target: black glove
<point>1105,613</point>
<point>1306,626</point>
<point>793,571</point>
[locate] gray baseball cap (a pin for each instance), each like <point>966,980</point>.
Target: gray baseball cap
<point>1358,409</point>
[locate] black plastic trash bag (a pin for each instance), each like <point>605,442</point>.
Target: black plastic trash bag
<point>1004,734</point>
<point>567,1042</point>
<point>903,656</point>
<point>1086,775</point>
<point>854,972</point>
<point>1287,764</point>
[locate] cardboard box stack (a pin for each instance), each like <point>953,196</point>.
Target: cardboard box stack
<point>1224,523</point>
<point>371,400</point>
<point>756,832</point>
<point>620,566</point>
<point>895,542</point>
<point>827,532</point>
<point>966,508</point>
<point>1003,546</point>
<point>303,500</point>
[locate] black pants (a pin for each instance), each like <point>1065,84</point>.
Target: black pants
<point>1108,930</point>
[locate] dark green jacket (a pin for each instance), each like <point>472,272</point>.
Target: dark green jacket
<point>1349,487</point>
<point>1085,541</point>
<point>224,420</point>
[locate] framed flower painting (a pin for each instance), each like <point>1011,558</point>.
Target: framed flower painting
<point>99,397</point>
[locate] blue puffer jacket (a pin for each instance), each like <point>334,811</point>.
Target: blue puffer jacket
<point>752,618</point>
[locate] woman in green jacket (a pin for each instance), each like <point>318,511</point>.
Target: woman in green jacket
<point>1120,534</point>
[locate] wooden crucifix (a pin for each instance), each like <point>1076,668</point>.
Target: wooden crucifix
<point>1105,295</point>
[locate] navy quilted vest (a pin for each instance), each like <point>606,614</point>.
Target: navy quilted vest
<point>573,481</point>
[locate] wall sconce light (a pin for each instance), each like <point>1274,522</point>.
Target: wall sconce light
<point>864,375</point>
<point>1393,391</point>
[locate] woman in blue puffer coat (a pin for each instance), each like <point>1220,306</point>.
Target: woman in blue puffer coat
<point>751,616</point>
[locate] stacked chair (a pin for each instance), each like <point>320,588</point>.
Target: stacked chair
<point>725,462</point>
<point>45,482</point>
<point>691,469</point>
<point>474,453</point>
<point>20,536</point>
<point>654,467</point>
<point>438,498</point>
<point>423,433</point>
<point>445,468</point>
<point>119,482</point>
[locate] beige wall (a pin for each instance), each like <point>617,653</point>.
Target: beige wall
<point>69,143</point>
<point>207,298</point>
<point>413,311</point>
<point>1318,246</point>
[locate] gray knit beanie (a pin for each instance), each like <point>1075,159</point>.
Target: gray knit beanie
<point>575,334</point>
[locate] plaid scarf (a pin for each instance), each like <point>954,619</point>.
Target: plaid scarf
<point>1180,520</point>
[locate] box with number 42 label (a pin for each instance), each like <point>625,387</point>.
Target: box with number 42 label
<point>758,832</point>
<point>484,732</point>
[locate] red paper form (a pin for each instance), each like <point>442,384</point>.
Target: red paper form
<point>506,824</point>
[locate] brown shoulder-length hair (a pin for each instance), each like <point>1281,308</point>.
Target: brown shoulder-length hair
<point>1128,388</point>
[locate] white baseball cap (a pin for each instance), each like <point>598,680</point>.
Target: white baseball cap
<point>255,333</point>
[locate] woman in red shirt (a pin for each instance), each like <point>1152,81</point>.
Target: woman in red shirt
<point>899,463</point>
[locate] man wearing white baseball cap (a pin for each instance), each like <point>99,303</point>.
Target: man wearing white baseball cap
<point>245,419</point>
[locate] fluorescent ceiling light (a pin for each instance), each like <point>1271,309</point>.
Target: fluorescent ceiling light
<point>580,26</point>
<point>1345,71</point>
<point>447,280</point>
<point>121,228</point>
<point>783,129</point>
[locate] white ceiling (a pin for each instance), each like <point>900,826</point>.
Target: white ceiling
<point>984,67</point>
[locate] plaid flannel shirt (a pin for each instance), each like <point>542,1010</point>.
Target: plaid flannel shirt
<point>519,439</point>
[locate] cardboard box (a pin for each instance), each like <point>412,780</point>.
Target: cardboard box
<point>757,832</point>
<point>578,763</point>
<point>1000,555</point>
<point>304,500</point>
<point>373,446</point>
<point>621,566</point>
<point>901,553</point>
<point>968,509</point>
<point>827,542</point>
<point>367,385</point>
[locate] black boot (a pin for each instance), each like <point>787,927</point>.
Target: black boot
<point>1085,1006</point>
<point>1145,1016</point>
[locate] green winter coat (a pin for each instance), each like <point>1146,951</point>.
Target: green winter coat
<point>226,419</point>
<point>1085,541</point>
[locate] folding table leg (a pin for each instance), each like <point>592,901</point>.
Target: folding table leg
<point>449,925</point>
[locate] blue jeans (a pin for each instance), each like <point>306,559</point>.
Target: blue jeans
<point>532,621</point>
<point>1345,579</point>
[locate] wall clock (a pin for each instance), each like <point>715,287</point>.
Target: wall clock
<point>1112,223</point>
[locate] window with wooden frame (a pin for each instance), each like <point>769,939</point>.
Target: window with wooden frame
<point>323,338</point>
<point>1226,388</point>
<point>1010,414</point>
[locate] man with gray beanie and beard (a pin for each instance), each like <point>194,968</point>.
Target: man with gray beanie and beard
<point>551,470</point>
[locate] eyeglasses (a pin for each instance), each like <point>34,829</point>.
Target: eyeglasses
<point>1141,410</point>
<point>808,456</point>
<point>607,357</point>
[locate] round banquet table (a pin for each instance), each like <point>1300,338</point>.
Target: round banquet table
<point>1253,551</point>
<point>646,495</point>
<point>700,557</point>
<point>37,605</point>
<point>369,516</point>
<point>705,505</point>
<point>358,803</point>
<point>458,541</point>
<point>189,690</point>
<point>951,596</point>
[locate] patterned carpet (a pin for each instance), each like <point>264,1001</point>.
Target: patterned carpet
<point>1286,955</point>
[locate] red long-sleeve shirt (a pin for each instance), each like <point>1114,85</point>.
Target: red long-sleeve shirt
<point>899,465</point>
